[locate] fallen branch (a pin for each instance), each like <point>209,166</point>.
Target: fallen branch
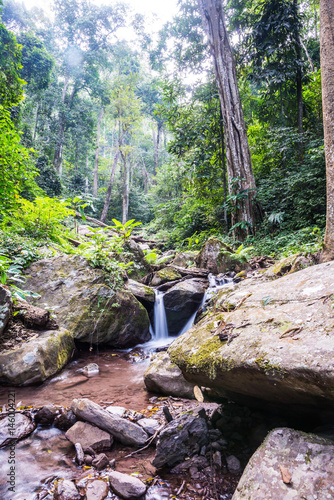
<point>150,441</point>
<point>295,329</point>
<point>181,488</point>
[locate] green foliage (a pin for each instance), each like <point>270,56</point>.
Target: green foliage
<point>151,256</point>
<point>21,250</point>
<point>47,179</point>
<point>12,273</point>
<point>241,254</point>
<point>10,65</point>
<point>125,230</point>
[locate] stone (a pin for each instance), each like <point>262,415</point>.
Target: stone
<point>79,453</point>
<point>88,459</point>
<point>100,462</point>
<point>123,430</point>
<point>145,294</point>
<point>19,424</point>
<point>233,463</point>
<point>308,459</point>
<point>150,425</point>
<point>46,415</point>
<point>85,305</point>
<point>182,437</point>
<point>200,462</point>
<point>184,259</point>
<point>97,490</point>
<point>89,436</point>
<point>65,419</point>
<point>164,275</point>
<point>216,257</point>
<point>5,307</point>
<point>119,411</point>
<point>164,377</point>
<point>283,353</point>
<point>38,359</point>
<point>163,261</point>
<point>126,486</point>
<point>66,490</point>
<point>181,302</point>
<point>288,265</point>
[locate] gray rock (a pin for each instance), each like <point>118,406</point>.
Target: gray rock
<point>150,425</point>
<point>200,462</point>
<point>123,430</point>
<point>37,359</point>
<point>119,411</point>
<point>307,459</point>
<point>164,377</point>
<point>89,436</point>
<point>126,486</point>
<point>284,352</point>
<point>66,490</point>
<point>14,427</point>
<point>181,438</point>
<point>181,302</point>
<point>217,459</point>
<point>215,256</point>
<point>100,462</point>
<point>143,293</point>
<point>85,304</point>
<point>65,419</point>
<point>79,453</point>
<point>164,275</point>
<point>5,307</point>
<point>233,463</point>
<point>46,415</point>
<point>97,490</point>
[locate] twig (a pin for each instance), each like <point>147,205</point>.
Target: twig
<point>181,488</point>
<point>295,329</point>
<point>150,441</point>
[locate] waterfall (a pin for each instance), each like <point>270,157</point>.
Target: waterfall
<point>160,320</point>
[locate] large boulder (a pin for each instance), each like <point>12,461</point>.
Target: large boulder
<point>122,429</point>
<point>183,437</point>
<point>274,342</point>
<point>218,257</point>
<point>38,359</point>
<point>85,304</point>
<point>145,294</point>
<point>164,377</point>
<point>164,275</point>
<point>181,302</point>
<point>291,465</point>
<point>5,307</point>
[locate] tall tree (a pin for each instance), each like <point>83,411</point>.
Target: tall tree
<point>327,65</point>
<point>239,165</point>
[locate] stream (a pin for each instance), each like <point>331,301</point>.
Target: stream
<point>46,453</point>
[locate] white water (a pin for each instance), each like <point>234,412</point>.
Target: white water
<point>160,320</point>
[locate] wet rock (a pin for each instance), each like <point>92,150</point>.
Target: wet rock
<point>46,415</point>
<point>143,293</point>
<point>5,307</point>
<point>233,463</point>
<point>65,419</point>
<point>181,302</point>
<point>15,427</point>
<point>123,430</point>
<point>100,462</point>
<point>79,453</point>
<point>66,490</point>
<point>216,257</point>
<point>97,490</point>
<point>37,359</point>
<point>90,370</point>
<point>164,377</point>
<point>89,436</point>
<point>181,438</point>
<point>126,486</point>
<point>278,346</point>
<point>85,305</point>
<point>165,275</point>
<point>304,458</point>
<point>150,425</point>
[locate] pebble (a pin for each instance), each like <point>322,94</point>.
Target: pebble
<point>233,463</point>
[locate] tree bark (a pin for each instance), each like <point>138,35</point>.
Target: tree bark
<point>238,158</point>
<point>126,180</point>
<point>96,164</point>
<point>111,182</point>
<point>327,78</point>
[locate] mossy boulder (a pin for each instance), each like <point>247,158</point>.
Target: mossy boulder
<point>145,294</point>
<point>5,307</point>
<point>164,377</point>
<point>216,257</point>
<point>288,265</point>
<point>38,359</point>
<point>185,259</point>
<point>181,302</point>
<point>164,275</point>
<point>267,342</point>
<point>304,460</point>
<point>85,305</point>
<point>136,255</point>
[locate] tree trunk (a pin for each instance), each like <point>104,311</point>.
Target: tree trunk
<point>327,78</point>
<point>239,166</point>
<point>126,180</point>
<point>36,121</point>
<point>96,165</point>
<point>111,182</point>
<point>57,159</point>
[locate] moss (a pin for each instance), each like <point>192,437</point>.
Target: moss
<point>169,274</point>
<point>269,368</point>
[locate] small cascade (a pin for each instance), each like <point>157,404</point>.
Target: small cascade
<point>160,320</point>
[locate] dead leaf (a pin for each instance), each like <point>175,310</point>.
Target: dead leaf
<point>198,394</point>
<point>286,476</point>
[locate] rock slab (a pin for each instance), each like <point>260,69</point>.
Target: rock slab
<point>89,436</point>
<point>126,486</point>
<point>123,430</point>
<point>306,459</point>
